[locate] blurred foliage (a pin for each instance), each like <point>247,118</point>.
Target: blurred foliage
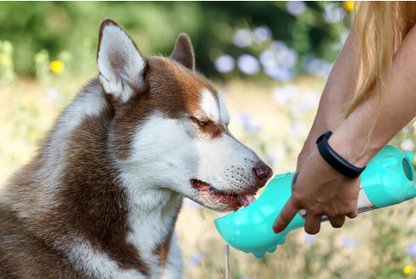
<point>73,27</point>
<point>7,73</point>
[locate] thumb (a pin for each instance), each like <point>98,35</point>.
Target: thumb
<point>288,212</point>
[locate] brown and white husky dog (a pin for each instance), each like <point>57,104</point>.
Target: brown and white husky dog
<point>101,197</point>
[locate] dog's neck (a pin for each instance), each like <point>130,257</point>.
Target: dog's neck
<point>152,212</point>
<point>152,216</point>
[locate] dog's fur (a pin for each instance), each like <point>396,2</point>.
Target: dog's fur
<point>101,198</point>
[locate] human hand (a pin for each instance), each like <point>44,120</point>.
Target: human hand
<point>320,190</point>
<point>303,155</point>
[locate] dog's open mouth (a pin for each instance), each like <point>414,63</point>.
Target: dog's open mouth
<point>232,199</point>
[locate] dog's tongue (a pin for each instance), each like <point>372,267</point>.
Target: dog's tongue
<point>246,200</point>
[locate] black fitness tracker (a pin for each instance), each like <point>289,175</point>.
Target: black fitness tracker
<point>334,160</point>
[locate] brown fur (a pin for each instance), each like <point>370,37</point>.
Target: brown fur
<point>183,52</point>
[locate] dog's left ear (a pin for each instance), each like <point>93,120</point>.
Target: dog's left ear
<point>119,62</point>
<point>183,52</point>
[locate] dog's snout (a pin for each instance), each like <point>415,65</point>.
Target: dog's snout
<point>262,172</point>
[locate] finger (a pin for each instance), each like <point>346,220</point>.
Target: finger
<point>337,221</point>
<point>312,224</point>
<point>286,215</point>
<point>353,214</point>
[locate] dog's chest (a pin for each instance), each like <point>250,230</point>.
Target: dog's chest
<point>152,234</point>
<point>152,231</point>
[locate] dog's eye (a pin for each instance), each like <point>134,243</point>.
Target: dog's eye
<point>199,122</point>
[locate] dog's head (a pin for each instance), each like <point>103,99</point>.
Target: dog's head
<point>170,125</point>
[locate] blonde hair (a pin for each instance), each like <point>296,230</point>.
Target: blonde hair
<point>381,28</point>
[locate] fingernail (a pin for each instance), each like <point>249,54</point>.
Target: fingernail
<point>276,230</point>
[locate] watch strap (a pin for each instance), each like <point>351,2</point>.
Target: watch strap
<point>334,159</point>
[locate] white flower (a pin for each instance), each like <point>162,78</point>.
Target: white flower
<point>267,58</point>
<point>250,124</point>
<point>287,57</point>
<point>411,250</point>
<point>224,64</point>
<point>310,100</point>
<point>297,129</point>
<point>283,95</point>
<point>317,67</point>
<point>279,61</point>
<point>194,259</point>
<point>280,73</point>
<point>297,111</point>
<point>277,46</point>
<point>248,64</point>
<point>348,242</point>
<point>53,94</point>
<point>296,8</point>
<point>407,145</point>
<point>333,14</point>
<point>242,38</point>
<point>262,34</point>
<point>406,130</point>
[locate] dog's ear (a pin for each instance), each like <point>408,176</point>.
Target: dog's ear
<point>119,62</point>
<point>183,52</point>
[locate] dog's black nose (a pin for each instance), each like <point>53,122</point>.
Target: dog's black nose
<point>262,173</point>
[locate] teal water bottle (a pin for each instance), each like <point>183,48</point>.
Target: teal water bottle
<point>387,180</point>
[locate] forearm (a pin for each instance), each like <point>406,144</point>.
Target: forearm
<point>339,89</point>
<point>352,140</point>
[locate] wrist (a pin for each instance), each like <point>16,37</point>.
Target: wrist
<point>358,150</point>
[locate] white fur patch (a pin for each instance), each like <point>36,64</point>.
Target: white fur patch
<point>174,265</point>
<point>117,48</point>
<point>152,205</point>
<point>225,117</point>
<point>160,149</point>
<point>96,263</point>
<point>210,105</point>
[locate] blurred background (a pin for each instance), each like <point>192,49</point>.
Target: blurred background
<point>270,60</point>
